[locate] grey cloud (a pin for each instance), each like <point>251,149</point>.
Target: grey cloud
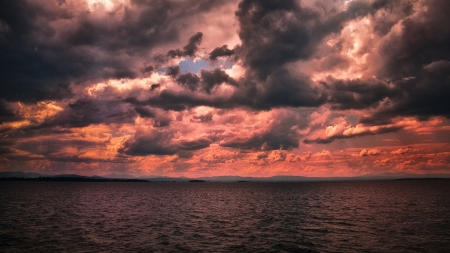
<point>189,81</point>
<point>85,112</point>
<point>190,49</point>
<point>359,93</point>
<point>182,100</point>
<point>417,63</point>
<point>160,143</point>
<point>212,78</point>
<point>145,112</point>
<point>274,33</point>
<point>281,89</point>
<point>7,114</point>
<point>207,80</point>
<point>438,66</point>
<point>5,146</point>
<point>40,58</point>
<point>173,71</point>
<point>202,118</point>
<point>42,67</point>
<point>161,122</point>
<point>155,86</point>
<point>220,52</point>
<point>148,69</point>
<point>267,141</point>
<point>267,46</point>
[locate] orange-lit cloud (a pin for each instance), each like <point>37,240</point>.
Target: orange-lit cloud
<point>207,88</point>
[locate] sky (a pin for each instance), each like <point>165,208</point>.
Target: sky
<point>184,88</point>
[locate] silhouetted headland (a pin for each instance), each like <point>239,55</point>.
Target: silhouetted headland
<point>32,176</point>
<point>70,179</point>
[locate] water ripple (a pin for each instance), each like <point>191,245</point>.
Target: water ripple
<point>392,216</point>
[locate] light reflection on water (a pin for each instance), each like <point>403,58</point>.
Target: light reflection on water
<point>377,216</point>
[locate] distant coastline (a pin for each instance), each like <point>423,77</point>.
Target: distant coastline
<point>33,176</point>
<point>422,178</point>
<point>69,179</point>
<point>156,180</point>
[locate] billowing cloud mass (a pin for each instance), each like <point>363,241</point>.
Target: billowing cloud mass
<point>207,88</point>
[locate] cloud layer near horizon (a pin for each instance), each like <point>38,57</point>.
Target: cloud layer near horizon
<point>252,88</point>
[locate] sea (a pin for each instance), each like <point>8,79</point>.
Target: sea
<point>347,216</point>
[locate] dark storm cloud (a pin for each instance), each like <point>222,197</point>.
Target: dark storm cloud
<point>359,94</point>
<point>190,49</point>
<point>158,120</point>
<point>381,130</point>
<point>161,122</point>
<point>177,101</point>
<point>144,112</point>
<point>5,146</point>
<point>173,107</point>
<point>189,81</point>
<point>397,10</point>
<point>157,142</point>
<point>265,47</point>
<point>155,86</point>
<point>281,89</point>
<point>418,56</point>
<point>207,80</point>
<point>220,51</point>
<point>173,71</point>
<point>274,33</point>
<point>47,47</point>
<point>415,65</point>
<point>212,78</point>
<point>7,113</point>
<point>438,67</point>
<point>91,49</point>
<point>148,69</point>
<point>40,61</point>
<point>202,118</point>
<point>85,112</point>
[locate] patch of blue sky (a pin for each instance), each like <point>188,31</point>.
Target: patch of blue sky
<point>189,65</point>
<point>193,65</point>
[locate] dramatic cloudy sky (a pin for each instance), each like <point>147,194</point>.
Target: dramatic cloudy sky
<point>209,87</point>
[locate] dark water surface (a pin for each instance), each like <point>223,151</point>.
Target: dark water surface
<point>370,216</point>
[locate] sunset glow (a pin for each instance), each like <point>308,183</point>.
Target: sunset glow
<point>210,88</point>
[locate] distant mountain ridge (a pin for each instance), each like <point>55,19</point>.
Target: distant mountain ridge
<point>281,178</point>
<point>20,174</point>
